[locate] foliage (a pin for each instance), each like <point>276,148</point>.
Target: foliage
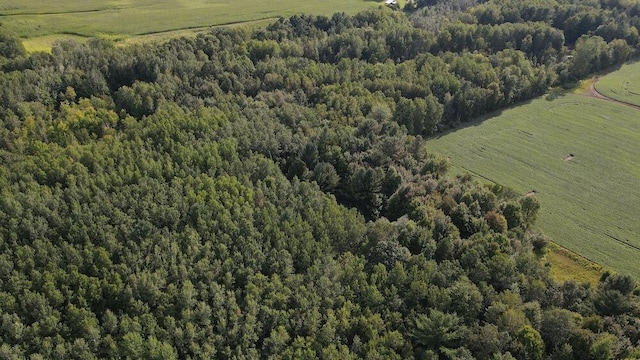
<point>225,196</point>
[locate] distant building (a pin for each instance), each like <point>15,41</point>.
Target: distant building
<point>392,4</point>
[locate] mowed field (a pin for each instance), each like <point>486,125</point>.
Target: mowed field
<point>580,155</point>
<point>622,85</point>
<point>39,21</point>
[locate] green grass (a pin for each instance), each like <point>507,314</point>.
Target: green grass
<point>589,204</point>
<point>122,19</point>
<point>622,85</point>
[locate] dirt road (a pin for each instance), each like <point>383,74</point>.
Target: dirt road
<point>593,92</point>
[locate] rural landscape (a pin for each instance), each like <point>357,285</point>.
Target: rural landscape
<point>257,179</point>
<point>41,23</point>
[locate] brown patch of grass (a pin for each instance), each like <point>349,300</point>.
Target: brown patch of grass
<point>45,43</point>
<point>583,86</point>
<point>567,265</point>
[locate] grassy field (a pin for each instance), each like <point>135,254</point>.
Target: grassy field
<point>38,21</point>
<point>567,265</point>
<point>623,85</point>
<point>582,158</point>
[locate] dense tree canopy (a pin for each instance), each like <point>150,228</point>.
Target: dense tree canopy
<point>268,193</point>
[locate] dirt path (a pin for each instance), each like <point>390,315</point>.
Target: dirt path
<point>593,92</point>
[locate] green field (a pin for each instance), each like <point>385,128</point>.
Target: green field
<point>622,85</point>
<point>589,202</point>
<point>122,19</point>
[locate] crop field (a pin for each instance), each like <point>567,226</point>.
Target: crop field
<point>622,85</point>
<point>581,157</point>
<point>38,20</point>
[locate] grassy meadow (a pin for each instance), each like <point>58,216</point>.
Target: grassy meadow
<point>580,155</point>
<point>568,265</point>
<point>40,21</point>
<point>622,85</point>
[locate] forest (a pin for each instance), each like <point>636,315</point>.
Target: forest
<point>266,193</point>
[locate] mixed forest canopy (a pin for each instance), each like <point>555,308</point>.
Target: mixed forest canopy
<point>267,193</point>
